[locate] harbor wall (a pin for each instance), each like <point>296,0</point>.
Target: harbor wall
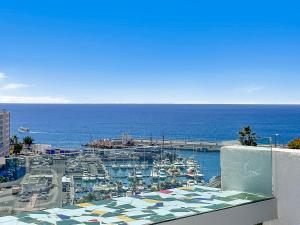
<point>189,145</point>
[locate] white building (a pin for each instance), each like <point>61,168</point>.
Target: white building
<point>40,148</point>
<point>4,133</point>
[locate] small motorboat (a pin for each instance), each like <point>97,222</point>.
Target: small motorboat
<point>125,188</point>
<point>191,163</point>
<point>191,183</point>
<point>129,166</point>
<point>139,174</point>
<point>114,195</point>
<point>123,166</point>
<point>166,163</point>
<point>140,188</point>
<point>85,178</point>
<point>131,176</point>
<point>179,164</point>
<point>101,177</point>
<point>154,174</point>
<point>23,129</point>
<point>92,177</point>
<point>115,166</point>
<point>162,174</point>
<point>199,175</point>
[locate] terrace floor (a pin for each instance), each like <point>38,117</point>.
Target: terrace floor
<point>146,208</point>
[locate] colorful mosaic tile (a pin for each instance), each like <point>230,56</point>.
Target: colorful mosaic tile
<point>146,208</point>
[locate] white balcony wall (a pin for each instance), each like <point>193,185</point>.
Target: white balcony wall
<point>286,178</point>
<point>247,169</point>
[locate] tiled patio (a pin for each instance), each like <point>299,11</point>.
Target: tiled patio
<point>146,208</point>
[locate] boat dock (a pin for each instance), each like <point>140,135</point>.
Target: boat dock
<point>168,144</point>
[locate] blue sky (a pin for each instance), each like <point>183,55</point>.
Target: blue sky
<point>149,51</point>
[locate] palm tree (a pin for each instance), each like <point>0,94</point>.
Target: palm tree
<point>17,148</point>
<point>247,137</point>
<point>14,140</point>
<point>28,140</point>
<point>16,145</point>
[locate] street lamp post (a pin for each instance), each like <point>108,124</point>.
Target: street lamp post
<point>276,140</point>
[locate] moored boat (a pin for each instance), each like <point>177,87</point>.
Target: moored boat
<point>123,166</point>
<point>191,183</point>
<point>115,166</point>
<point>162,174</point>
<point>154,174</point>
<point>139,174</point>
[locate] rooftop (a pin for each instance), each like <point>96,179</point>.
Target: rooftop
<point>146,208</point>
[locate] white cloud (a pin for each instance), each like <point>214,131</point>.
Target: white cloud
<point>2,75</point>
<point>34,99</point>
<point>248,90</point>
<point>251,90</point>
<point>13,86</point>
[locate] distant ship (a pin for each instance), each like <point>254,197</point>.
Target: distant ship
<point>23,129</point>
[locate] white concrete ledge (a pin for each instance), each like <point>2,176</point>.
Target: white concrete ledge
<point>247,169</point>
<point>286,181</point>
<point>247,214</point>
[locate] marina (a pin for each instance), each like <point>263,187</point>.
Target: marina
<point>46,179</point>
<point>95,178</point>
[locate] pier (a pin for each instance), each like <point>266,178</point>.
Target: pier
<point>185,144</point>
<point>168,144</point>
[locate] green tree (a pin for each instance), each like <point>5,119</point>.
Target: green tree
<point>28,140</point>
<point>3,179</point>
<point>90,197</point>
<point>247,137</point>
<point>14,140</point>
<point>17,148</point>
<point>294,144</point>
<point>16,145</point>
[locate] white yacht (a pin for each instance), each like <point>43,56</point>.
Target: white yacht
<point>139,174</point>
<point>115,166</point>
<point>191,183</point>
<point>162,174</point>
<point>154,174</point>
<point>123,166</point>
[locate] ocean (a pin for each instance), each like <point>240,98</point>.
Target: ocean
<point>72,125</point>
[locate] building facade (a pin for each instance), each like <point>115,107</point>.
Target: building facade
<point>4,133</point>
